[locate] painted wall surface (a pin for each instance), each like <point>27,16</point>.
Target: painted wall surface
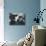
<point>29,7</point>
<point>43,6</point>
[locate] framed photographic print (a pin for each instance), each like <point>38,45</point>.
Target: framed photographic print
<point>17,19</point>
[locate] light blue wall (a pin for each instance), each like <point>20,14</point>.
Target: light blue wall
<point>29,7</point>
<point>43,6</point>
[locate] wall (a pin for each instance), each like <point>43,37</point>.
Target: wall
<point>29,7</point>
<point>43,6</point>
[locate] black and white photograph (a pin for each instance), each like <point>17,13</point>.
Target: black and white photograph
<point>17,19</point>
